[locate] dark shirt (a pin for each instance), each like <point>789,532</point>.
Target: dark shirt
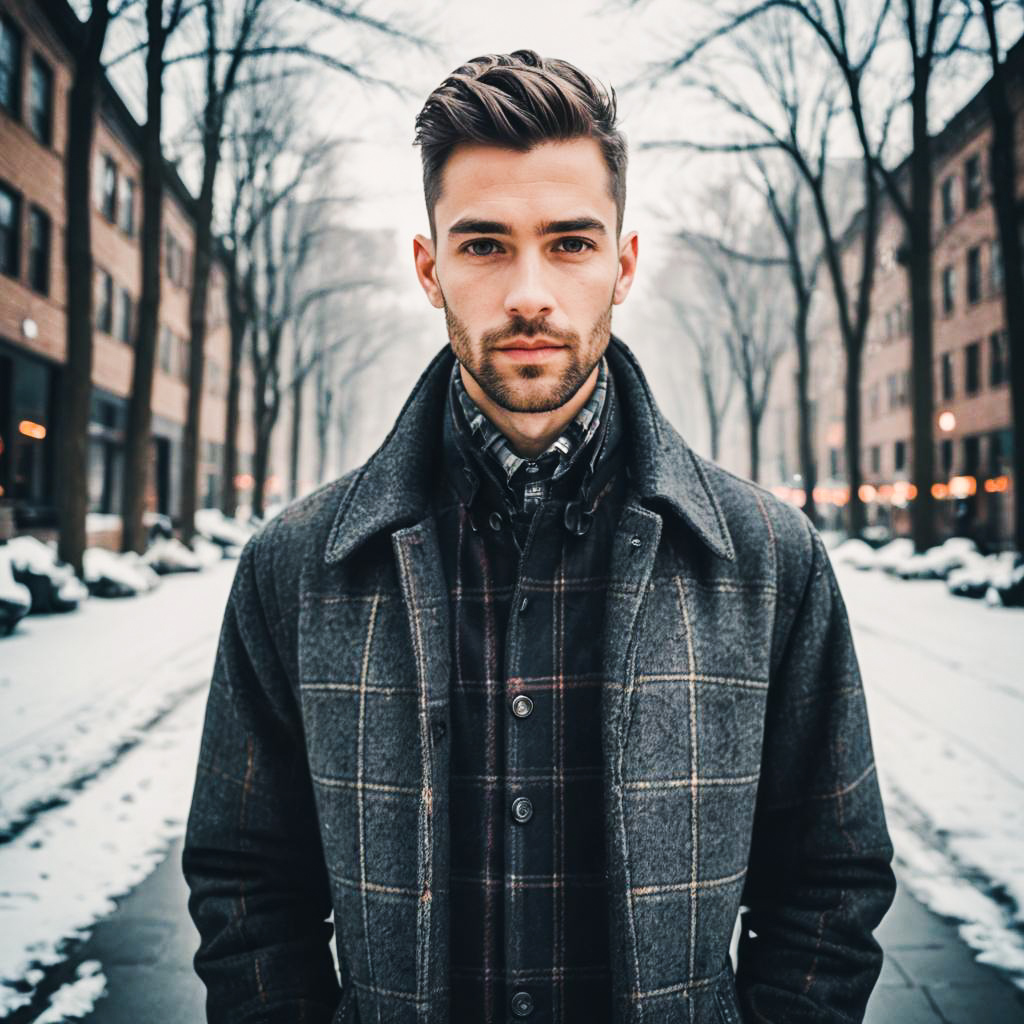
<point>529,911</point>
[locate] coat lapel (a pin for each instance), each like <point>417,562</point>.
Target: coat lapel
<point>418,558</point>
<point>631,565</point>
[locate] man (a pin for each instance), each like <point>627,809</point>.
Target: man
<point>537,698</point>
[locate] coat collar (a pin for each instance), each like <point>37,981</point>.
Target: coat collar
<point>392,487</point>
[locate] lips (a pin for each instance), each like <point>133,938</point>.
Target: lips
<point>521,344</point>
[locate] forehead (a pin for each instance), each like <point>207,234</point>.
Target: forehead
<point>545,183</point>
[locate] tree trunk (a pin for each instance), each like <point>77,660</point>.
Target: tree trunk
<point>754,428</point>
<point>140,406</point>
<point>237,322</point>
<point>804,427</point>
<point>261,455</point>
<point>922,510</point>
<point>296,438</point>
<point>76,381</point>
<point>855,517</point>
<point>712,410</point>
<point>1004,151</point>
<point>201,261</point>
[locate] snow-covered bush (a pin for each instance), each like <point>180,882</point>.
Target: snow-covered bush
<point>15,599</point>
<point>170,555</point>
<point>108,574</point>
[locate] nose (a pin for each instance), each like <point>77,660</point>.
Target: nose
<point>528,295</point>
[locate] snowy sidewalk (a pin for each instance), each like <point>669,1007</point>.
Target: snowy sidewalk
<point>145,950</point>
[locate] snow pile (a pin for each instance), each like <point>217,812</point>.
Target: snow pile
<point>170,555</point>
<point>938,562</point>
<point>894,554</point>
<point>53,584</point>
<point>108,574</point>
<point>230,534</point>
<point>15,599</point>
<point>855,552</point>
<point>206,551</point>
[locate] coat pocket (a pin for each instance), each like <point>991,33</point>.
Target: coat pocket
<point>727,999</point>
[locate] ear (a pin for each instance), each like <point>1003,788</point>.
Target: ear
<point>627,267</point>
<point>426,269</point>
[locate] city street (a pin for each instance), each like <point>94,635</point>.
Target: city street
<point>97,753</point>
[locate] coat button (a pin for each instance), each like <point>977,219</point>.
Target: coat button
<point>494,521</point>
<point>522,1004</point>
<point>522,809</point>
<point>522,706</point>
<point>523,605</point>
<point>635,542</point>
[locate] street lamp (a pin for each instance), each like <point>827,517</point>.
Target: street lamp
<point>947,421</point>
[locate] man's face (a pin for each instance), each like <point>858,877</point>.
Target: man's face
<point>527,267</point>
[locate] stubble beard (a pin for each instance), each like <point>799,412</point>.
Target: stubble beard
<point>502,392</point>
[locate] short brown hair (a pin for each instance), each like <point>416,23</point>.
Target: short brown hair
<point>518,100</point>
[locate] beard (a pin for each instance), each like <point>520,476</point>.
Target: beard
<point>501,388</point>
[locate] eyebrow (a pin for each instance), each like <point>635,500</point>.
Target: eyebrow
<point>471,226</point>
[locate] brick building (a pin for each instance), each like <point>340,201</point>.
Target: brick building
<point>973,427</point>
<point>35,80</point>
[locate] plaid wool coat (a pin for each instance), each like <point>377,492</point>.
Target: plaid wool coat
<point>738,766</point>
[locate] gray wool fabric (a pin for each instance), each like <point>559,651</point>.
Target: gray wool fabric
<point>738,766</point>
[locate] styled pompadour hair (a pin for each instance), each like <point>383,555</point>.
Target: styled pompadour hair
<point>518,100</point>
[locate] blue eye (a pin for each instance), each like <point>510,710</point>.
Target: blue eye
<point>575,246</point>
<point>482,247</point>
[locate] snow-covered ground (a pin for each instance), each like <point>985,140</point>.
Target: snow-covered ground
<point>944,679</point>
<point>100,718</point>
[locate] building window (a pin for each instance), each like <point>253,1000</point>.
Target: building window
<point>10,67</point>
<point>39,250</point>
<point>126,206</point>
<point>125,317</point>
<point>40,100</point>
<point>947,376</point>
<point>873,402</point>
<point>10,236</point>
<point>876,459</point>
<point>972,455</point>
<point>948,289</point>
<point>899,456</point>
<point>165,350</point>
<point>972,376</point>
<point>997,359</point>
<point>946,456</point>
<point>995,268</point>
<point>974,275</point>
<point>948,203</point>
<point>104,301</point>
<point>1000,449</point>
<point>108,189</point>
<point>972,182</point>
<point>173,258</point>
<point>183,359</point>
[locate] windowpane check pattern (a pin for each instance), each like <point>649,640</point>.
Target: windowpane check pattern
<point>529,900</point>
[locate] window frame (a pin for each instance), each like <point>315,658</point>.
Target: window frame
<point>108,197</point>
<point>998,371</point>
<point>104,312</point>
<point>41,283</point>
<point>973,184</point>
<point>126,190</point>
<point>13,241</point>
<point>947,387</point>
<point>972,368</point>
<point>9,26</point>
<point>947,193</point>
<point>948,289</point>
<point>39,63</point>
<point>974,275</point>
<point>124,320</point>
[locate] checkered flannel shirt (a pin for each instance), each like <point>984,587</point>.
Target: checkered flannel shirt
<point>529,915</point>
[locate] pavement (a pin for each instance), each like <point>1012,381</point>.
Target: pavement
<point>145,951</point>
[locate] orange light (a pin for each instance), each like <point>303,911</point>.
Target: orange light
<point>798,496</point>
<point>997,484</point>
<point>243,481</point>
<point>963,486</point>
<point>866,492</point>
<point>34,430</point>
<point>781,491</point>
<point>885,492</point>
<point>820,495</point>
<point>940,491</point>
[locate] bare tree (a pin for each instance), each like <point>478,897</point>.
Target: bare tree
<point>849,36</point>
<point>929,39</point>
<point>746,283</point>
<point>140,415</point>
<point>261,28</point>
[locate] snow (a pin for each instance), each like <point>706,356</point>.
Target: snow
<point>62,874</point>
<point>76,689</point>
<point>99,563</point>
<point>946,698</point>
<point>15,593</point>
<point>76,999</point>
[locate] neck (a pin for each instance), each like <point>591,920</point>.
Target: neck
<point>530,433</point>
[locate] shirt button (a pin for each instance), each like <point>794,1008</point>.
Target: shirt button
<point>522,1004</point>
<point>522,706</point>
<point>523,605</point>
<point>522,809</point>
<point>494,521</point>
